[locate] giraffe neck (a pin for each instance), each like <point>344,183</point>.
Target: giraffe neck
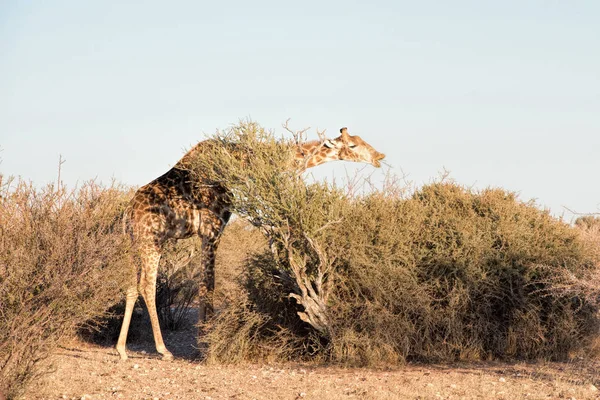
<point>308,155</point>
<point>316,152</point>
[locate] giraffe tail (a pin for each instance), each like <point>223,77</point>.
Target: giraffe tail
<point>127,226</point>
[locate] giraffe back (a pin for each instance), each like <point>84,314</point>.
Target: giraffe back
<point>175,206</point>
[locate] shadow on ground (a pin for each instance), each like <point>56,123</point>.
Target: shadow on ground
<point>182,342</point>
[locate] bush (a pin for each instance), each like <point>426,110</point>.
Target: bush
<point>453,274</point>
<point>63,262</point>
<point>588,223</point>
<point>444,274</point>
<point>586,283</point>
<point>590,233</point>
<point>239,242</point>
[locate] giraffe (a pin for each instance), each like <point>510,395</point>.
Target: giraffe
<point>167,208</point>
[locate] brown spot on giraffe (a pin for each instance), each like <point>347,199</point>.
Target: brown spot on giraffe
<point>174,207</point>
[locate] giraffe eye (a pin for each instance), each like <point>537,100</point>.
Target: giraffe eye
<point>352,146</point>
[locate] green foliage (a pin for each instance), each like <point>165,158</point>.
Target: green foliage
<point>256,169</point>
<point>62,257</point>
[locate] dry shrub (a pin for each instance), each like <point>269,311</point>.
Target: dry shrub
<point>234,335</point>
<point>62,257</point>
<point>586,283</point>
<point>179,272</point>
<point>454,274</point>
<point>240,334</point>
<point>443,274</point>
<point>239,242</point>
<point>589,228</point>
<point>260,323</point>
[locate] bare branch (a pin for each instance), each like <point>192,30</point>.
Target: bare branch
<point>578,213</point>
<point>61,161</point>
<point>299,136</point>
<point>321,135</point>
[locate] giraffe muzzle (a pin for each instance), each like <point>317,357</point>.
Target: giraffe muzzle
<point>376,159</point>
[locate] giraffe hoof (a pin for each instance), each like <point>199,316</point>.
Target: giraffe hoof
<point>167,356</point>
<point>122,354</point>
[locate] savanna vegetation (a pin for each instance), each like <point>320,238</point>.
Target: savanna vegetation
<point>308,271</point>
<point>440,274</point>
<point>62,254</point>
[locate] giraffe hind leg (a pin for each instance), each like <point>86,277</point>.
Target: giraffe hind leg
<point>207,284</point>
<point>211,236</point>
<point>132,294</point>
<point>148,290</point>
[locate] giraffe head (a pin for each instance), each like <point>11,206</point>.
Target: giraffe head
<point>352,148</point>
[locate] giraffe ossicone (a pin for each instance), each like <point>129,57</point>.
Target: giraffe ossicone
<point>173,207</point>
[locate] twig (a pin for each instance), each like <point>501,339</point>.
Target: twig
<point>578,213</point>
<point>60,163</point>
<point>321,134</point>
<point>298,135</point>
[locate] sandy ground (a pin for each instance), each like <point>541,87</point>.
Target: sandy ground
<point>88,371</point>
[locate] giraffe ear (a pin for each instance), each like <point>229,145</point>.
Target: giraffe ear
<point>344,132</point>
<point>329,144</point>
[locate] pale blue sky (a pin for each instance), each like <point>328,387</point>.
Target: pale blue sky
<point>500,93</point>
